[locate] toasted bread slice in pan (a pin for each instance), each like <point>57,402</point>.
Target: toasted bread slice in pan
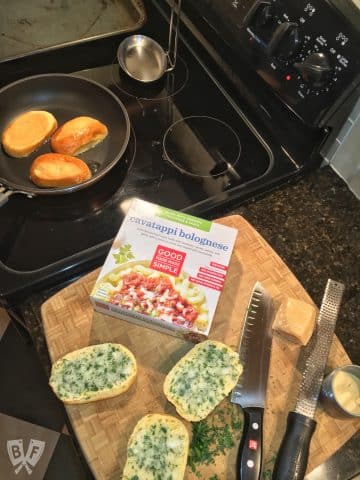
<point>78,135</point>
<point>57,170</point>
<point>27,132</point>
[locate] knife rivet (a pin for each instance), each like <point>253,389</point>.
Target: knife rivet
<point>250,463</point>
<point>255,426</point>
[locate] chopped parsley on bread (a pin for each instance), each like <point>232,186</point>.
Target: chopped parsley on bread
<point>202,379</point>
<point>157,449</point>
<point>93,373</point>
<point>26,132</point>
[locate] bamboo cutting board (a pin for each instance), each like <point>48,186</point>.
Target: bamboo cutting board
<point>103,427</point>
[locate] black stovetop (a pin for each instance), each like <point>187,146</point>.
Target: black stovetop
<point>191,148</point>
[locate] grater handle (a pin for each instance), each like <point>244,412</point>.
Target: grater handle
<point>292,458</point>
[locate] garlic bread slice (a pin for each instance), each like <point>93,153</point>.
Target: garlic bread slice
<point>157,449</point>
<point>93,373</point>
<point>202,379</point>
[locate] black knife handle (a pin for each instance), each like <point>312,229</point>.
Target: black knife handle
<point>292,459</point>
<point>250,450</point>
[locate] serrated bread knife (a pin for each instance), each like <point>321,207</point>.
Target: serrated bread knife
<point>292,458</point>
<point>250,392</point>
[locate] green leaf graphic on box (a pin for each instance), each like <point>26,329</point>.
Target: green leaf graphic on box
<point>124,254</point>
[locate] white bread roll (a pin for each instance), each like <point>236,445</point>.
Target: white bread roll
<point>57,170</point>
<point>78,135</point>
<point>27,132</point>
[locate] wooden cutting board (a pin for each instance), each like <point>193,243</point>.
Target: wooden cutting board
<point>103,427</point>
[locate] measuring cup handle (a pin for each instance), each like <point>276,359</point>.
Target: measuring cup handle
<point>173,34</point>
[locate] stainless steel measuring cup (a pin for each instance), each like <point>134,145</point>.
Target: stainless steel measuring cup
<point>144,59</point>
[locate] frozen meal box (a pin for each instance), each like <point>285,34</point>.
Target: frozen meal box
<point>165,270</point>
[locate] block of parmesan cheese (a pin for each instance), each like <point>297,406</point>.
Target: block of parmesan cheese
<point>295,320</point>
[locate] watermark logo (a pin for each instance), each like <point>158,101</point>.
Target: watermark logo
<point>29,460</point>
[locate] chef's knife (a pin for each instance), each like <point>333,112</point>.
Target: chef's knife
<point>292,458</point>
<point>249,393</point>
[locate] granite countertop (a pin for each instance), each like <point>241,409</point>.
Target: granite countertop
<point>314,226</point>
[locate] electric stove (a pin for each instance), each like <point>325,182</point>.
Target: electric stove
<point>213,133</point>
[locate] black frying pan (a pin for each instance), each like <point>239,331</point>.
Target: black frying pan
<point>66,97</point>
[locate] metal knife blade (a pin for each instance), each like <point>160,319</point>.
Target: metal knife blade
<point>292,458</point>
<point>250,392</point>
<point>344,464</point>
<point>254,350</point>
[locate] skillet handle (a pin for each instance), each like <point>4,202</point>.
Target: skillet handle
<point>4,195</point>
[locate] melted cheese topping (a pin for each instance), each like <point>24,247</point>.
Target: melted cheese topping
<point>99,368</point>
<point>202,379</point>
<point>157,449</point>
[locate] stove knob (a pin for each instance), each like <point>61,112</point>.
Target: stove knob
<point>314,69</point>
<point>285,41</point>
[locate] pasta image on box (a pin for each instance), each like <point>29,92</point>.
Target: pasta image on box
<point>165,270</point>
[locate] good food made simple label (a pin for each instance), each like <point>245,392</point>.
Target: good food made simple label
<point>165,268</point>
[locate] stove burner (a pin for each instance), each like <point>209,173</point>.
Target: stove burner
<point>168,86</point>
<point>202,146</point>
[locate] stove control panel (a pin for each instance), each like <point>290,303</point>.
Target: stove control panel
<point>308,52</point>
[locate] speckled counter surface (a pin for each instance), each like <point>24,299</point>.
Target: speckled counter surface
<point>314,225</point>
